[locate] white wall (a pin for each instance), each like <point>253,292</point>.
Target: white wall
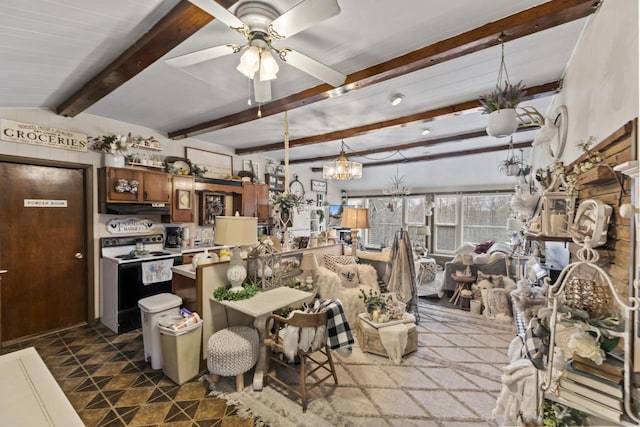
<point>97,126</point>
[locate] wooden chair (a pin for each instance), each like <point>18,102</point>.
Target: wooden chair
<point>314,359</point>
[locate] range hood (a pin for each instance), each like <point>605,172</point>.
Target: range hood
<point>137,208</point>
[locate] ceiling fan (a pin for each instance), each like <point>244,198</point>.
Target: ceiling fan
<point>261,24</point>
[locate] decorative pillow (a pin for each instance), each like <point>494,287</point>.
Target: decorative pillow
<point>330,261</point>
<point>481,259</point>
<point>495,279</point>
<point>508,284</point>
<point>498,307</point>
<point>503,247</point>
<point>348,275</point>
<point>466,248</point>
<point>483,247</point>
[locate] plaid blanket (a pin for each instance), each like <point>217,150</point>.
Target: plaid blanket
<point>338,330</point>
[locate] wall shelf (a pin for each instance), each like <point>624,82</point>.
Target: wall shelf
<point>146,147</point>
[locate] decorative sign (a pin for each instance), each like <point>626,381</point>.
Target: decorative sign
<point>43,203</point>
<point>129,225</point>
<point>218,165</point>
<point>26,133</point>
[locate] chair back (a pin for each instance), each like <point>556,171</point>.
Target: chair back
<point>307,320</point>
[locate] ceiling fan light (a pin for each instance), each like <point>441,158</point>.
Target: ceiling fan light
<point>396,99</point>
<point>426,131</point>
<point>268,66</point>
<point>249,62</point>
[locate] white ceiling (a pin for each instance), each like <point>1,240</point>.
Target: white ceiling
<point>50,48</point>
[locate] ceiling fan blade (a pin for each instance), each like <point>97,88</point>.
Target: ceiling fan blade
<point>311,66</point>
<point>202,55</point>
<point>302,16</point>
<point>214,8</point>
<point>261,89</point>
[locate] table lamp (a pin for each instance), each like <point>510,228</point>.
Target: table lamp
<point>237,231</point>
<point>309,265</point>
<point>425,231</point>
<point>356,219</point>
<point>468,261</point>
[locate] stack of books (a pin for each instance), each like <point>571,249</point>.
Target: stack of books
<point>595,387</point>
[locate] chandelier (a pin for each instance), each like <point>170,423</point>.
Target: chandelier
<point>342,169</point>
<point>396,188</point>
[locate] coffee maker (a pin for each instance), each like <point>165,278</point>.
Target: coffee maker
<point>174,237</point>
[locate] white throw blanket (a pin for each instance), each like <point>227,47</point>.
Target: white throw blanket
<point>157,271</point>
<point>394,339</point>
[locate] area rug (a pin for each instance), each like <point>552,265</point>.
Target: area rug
<point>432,289</point>
<point>452,379</point>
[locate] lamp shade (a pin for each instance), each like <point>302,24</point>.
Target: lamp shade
<point>355,218</point>
<point>423,230</point>
<point>309,262</point>
<point>236,230</point>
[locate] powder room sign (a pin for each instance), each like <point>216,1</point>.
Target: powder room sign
<point>26,133</point>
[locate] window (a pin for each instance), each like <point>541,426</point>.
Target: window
<point>462,218</point>
<point>383,222</point>
<point>414,210</point>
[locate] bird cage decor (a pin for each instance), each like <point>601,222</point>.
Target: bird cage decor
<point>556,207</point>
<point>263,266</point>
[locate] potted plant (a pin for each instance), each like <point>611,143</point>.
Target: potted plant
<point>284,203</point>
<point>501,106</point>
<point>113,147</point>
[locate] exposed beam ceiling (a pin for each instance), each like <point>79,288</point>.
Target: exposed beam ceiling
<point>438,156</point>
<point>546,89</point>
<point>416,144</point>
<point>174,28</point>
<point>530,21</point>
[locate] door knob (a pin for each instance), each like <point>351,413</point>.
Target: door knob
<point>78,255</point>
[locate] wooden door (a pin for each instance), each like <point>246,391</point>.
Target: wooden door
<point>112,176</point>
<point>262,202</point>
<point>249,199</point>
<point>183,199</point>
<point>156,187</point>
<point>43,249</point>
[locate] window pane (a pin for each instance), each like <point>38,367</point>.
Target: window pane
<point>484,217</point>
<point>445,209</point>
<point>383,222</point>
<point>415,209</point>
<point>445,239</point>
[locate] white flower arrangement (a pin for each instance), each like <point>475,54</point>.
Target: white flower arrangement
<point>586,345</point>
<point>118,144</point>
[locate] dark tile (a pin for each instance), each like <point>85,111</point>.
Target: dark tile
<point>111,420</point>
<point>158,396</point>
<point>175,414</point>
<point>99,401</point>
<point>113,396</point>
<point>92,417</point>
<point>87,385</point>
<point>210,423</point>
<point>189,407</point>
<point>127,413</point>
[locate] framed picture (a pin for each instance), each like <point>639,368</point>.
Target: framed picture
<point>218,165</point>
<point>319,186</point>
<point>184,199</point>
<point>251,166</point>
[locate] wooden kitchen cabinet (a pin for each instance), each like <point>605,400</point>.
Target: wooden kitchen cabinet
<point>118,185</point>
<point>255,201</point>
<point>182,207</point>
<point>156,187</point>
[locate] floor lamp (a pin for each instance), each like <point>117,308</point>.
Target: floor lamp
<point>356,219</point>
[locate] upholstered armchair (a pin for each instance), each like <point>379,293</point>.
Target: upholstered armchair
<point>344,282</point>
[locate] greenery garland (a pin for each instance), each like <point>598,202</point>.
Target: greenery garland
<point>224,293</point>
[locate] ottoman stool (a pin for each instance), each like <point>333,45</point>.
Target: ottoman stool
<point>232,352</point>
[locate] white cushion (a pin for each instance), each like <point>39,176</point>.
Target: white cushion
<point>348,275</point>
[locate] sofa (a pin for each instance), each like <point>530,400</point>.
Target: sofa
<point>495,260</point>
<point>341,277</point>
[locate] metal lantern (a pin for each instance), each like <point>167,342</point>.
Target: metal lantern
<point>263,265</point>
<point>556,207</point>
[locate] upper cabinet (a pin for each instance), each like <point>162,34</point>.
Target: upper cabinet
<point>125,185</point>
<point>255,201</point>
<point>182,208</point>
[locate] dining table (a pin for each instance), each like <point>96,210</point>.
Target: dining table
<point>260,307</point>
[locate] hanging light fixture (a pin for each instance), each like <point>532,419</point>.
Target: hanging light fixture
<point>396,188</point>
<point>342,169</point>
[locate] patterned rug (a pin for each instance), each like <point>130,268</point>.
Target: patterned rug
<point>452,379</point>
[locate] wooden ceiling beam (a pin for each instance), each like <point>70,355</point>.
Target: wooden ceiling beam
<point>543,90</point>
<point>431,157</point>
<point>171,30</point>
<point>527,22</point>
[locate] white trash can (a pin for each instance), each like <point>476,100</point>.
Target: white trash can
<point>152,310</point>
<point>181,352</point>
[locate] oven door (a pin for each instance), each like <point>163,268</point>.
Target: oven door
<point>131,289</point>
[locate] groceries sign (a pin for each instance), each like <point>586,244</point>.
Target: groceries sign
<point>26,133</point>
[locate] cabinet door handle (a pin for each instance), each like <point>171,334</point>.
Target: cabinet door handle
<point>79,255</point>
<point>145,195</point>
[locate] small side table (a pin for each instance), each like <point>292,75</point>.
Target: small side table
<point>463,282</point>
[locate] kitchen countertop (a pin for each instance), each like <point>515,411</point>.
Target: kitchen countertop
<point>185,270</point>
<point>196,248</point>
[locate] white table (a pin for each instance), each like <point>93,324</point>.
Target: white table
<point>29,395</point>
<point>260,308</point>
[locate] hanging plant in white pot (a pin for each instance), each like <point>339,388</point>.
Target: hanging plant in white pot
<point>501,104</point>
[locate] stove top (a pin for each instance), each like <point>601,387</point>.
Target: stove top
<point>125,249</point>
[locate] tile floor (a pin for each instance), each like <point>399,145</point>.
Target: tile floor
<point>452,380</point>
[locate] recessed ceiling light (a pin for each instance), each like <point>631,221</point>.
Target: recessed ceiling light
<point>425,131</point>
<point>396,99</point>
